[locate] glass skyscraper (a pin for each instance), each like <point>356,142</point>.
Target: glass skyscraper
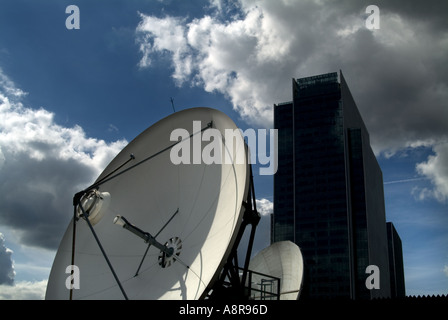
<point>328,190</point>
<point>397,286</point>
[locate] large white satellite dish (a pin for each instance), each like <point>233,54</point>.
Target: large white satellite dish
<point>282,260</point>
<point>182,221</point>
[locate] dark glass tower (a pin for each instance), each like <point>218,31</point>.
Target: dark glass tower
<point>328,190</point>
<point>397,286</point>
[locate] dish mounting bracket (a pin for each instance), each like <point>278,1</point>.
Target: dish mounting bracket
<point>231,282</point>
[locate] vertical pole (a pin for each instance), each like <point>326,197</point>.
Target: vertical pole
<point>73,247</point>
<point>248,253</point>
<point>278,288</point>
<point>250,285</point>
<point>252,217</point>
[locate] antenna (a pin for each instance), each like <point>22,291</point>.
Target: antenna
<point>172,104</point>
<point>181,224</point>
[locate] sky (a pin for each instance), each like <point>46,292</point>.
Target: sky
<point>72,96</point>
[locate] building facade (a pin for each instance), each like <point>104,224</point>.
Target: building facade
<point>396,267</point>
<point>328,190</point>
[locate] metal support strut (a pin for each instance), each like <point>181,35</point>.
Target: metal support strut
<point>86,216</point>
<point>231,268</point>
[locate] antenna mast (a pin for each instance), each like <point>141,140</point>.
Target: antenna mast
<point>172,104</point>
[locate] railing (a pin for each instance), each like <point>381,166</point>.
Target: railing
<point>261,286</point>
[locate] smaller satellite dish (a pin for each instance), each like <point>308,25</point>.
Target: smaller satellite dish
<point>281,260</point>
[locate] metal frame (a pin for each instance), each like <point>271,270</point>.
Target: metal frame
<point>230,283</point>
<point>264,295</point>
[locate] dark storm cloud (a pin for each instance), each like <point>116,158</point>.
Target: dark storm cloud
<point>400,90</point>
<point>36,197</point>
<point>432,12</point>
<point>398,74</point>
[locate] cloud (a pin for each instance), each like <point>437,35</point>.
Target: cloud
<point>264,207</point>
<point>436,170</point>
<point>7,272</point>
<point>214,55</point>
<point>445,270</point>
<point>8,87</point>
<point>42,165</point>
<point>263,231</point>
<point>166,34</point>
<point>112,128</point>
<point>398,74</point>
<point>249,50</point>
<point>24,290</point>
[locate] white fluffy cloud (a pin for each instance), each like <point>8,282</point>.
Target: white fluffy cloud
<point>42,165</point>
<point>24,290</point>
<point>229,58</point>
<point>265,207</point>
<point>435,169</point>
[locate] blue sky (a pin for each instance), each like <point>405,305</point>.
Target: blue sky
<point>71,99</point>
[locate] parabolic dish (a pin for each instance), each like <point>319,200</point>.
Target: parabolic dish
<point>281,260</point>
<point>195,209</point>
